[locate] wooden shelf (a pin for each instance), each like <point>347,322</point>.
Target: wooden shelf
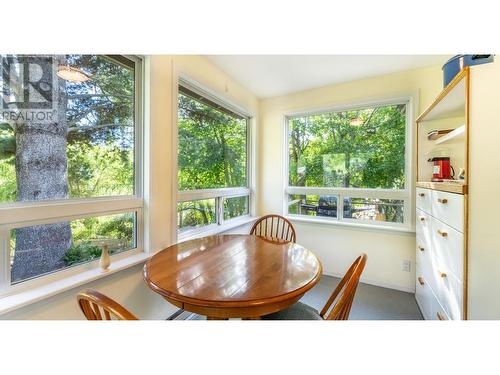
<point>450,102</point>
<point>457,134</point>
<point>450,187</point>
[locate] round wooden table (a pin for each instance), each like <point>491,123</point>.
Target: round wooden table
<point>232,276</point>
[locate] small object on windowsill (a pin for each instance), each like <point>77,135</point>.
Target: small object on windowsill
<point>105,261</point>
<point>436,134</point>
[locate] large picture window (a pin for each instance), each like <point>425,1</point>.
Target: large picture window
<point>70,157</point>
<point>350,165</point>
<point>213,161</point>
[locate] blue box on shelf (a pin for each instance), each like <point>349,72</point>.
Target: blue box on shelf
<point>458,62</point>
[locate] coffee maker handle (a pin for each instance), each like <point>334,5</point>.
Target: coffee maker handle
<point>452,172</point>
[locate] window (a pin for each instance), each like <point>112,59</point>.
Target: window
<point>70,162</point>
<point>213,161</point>
<point>350,165</point>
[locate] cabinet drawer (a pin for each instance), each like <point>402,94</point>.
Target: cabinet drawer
<point>436,310</point>
<point>423,253</point>
<point>426,299</point>
<point>449,291</point>
<point>449,208</point>
<point>423,294</point>
<point>423,199</point>
<point>423,226</point>
<point>448,247</point>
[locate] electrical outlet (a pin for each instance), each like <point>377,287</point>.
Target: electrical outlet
<point>405,266</point>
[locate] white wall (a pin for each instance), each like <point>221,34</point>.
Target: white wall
<point>127,287</point>
<point>338,246</point>
<point>484,193</point>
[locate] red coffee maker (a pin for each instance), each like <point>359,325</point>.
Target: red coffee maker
<point>442,169</point>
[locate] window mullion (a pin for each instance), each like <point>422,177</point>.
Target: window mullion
<point>220,210</point>
<point>4,260</point>
<point>340,206</point>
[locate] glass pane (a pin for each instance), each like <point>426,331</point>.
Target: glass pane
<point>212,147</point>
<point>42,249</point>
<point>60,138</point>
<point>356,149</point>
<point>390,210</point>
<point>312,205</point>
<point>195,214</point>
<point>234,207</point>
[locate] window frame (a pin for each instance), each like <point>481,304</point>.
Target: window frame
<point>405,194</point>
<point>22,214</point>
<point>218,194</point>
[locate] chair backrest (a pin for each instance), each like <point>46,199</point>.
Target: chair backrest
<point>274,227</point>
<point>343,295</point>
<point>97,306</point>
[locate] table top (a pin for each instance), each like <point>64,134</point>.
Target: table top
<point>232,271</point>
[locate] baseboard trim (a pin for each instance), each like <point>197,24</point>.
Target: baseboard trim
<point>374,282</point>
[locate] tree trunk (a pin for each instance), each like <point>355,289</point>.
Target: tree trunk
<point>41,173</point>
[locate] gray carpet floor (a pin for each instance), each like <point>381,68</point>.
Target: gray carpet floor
<point>371,302</point>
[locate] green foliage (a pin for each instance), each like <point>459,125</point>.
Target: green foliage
<point>234,207</point>
<point>212,154</point>
<point>7,163</point>
<point>195,213</point>
<point>212,147</point>
<point>83,252</point>
<point>99,170</point>
<point>91,233</point>
<point>7,180</point>
<point>363,149</point>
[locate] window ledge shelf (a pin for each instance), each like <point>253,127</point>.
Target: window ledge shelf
<point>235,223</point>
<point>15,301</point>
<point>357,226</point>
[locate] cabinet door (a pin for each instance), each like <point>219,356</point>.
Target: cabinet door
<point>448,247</point>
<point>423,199</point>
<point>449,208</point>
<point>449,291</point>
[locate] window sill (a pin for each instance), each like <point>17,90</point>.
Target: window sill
<point>215,230</point>
<point>15,301</point>
<point>351,225</point>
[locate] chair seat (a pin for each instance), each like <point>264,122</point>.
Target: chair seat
<point>298,311</point>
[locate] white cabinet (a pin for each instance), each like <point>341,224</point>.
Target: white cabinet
<point>440,254</point>
<point>467,210</point>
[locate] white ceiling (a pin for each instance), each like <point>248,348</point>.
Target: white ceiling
<point>274,75</point>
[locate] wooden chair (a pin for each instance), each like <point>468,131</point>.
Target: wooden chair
<point>343,296</point>
<point>275,227</point>
<point>92,302</point>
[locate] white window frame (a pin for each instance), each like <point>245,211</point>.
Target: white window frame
<point>405,194</point>
<point>22,214</point>
<point>219,194</point>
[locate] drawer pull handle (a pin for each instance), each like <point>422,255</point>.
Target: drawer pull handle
<point>442,274</point>
<point>442,233</point>
<point>421,194</point>
<point>422,218</point>
<point>421,280</point>
<point>443,200</point>
<point>421,248</point>
<point>440,316</point>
